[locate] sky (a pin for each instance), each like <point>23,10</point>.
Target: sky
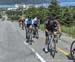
<point>66,0</point>
<point>61,3</point>
<point>67,4</point>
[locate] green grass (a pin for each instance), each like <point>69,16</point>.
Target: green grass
<point>42,27</point>
<point>67,30</point>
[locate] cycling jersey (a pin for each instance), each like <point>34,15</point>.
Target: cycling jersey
<point>28,22</point>
<point>25,23</point>
<point>51,27</point>
<point>36,21</point>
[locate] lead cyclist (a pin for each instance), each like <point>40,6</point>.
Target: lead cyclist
<point>53,26</point>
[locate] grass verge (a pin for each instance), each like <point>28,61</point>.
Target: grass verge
<point>67,30</point>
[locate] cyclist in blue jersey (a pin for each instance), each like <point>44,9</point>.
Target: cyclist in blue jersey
<point>28,25</point>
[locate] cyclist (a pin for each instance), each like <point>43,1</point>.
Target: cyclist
<point>36,22</point>
<point>51,25</point>
<point>20,22</point>
<point>23,23</point>
<point>28,24</point>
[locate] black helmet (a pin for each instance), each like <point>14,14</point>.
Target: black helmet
<point>29,16</point>
<point>51,17</point>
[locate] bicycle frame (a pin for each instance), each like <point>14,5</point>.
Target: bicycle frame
<point>35,31</point>
<point>29,35</point>
<point>52,41</point>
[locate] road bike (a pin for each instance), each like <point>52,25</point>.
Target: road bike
<point>72,50</point>
<point>52,39</point>
<point>29,36</point>
<point>35,32</point>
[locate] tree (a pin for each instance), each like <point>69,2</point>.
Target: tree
<point>54,7</point>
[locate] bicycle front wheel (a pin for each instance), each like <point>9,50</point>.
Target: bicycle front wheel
<point>72,50</point>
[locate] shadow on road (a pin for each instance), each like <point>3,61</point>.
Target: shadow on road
<point>70,58</point>
<point>52,53</point>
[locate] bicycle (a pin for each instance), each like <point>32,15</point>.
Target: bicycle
<point>35,32</point>
<point>29,36</point>
<point>72,50</point>
<point>52,39</point>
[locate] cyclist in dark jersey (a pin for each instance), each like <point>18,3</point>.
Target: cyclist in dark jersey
<point>51,25</point>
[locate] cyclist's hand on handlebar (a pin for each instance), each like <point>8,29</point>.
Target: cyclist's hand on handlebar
<point>46,30</point>
<point>55,33</point>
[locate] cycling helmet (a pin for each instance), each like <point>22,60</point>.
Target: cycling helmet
<point>51,18</point>
<point>29,18</point>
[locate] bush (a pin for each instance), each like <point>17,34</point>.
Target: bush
<point>14,17</point>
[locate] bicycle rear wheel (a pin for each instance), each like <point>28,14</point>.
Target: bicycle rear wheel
<point>30,36</point>
<point>72,50</point>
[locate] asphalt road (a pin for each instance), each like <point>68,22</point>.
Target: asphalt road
<point>13,47</point>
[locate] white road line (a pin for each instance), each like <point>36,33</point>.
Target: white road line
<point>38,56</point>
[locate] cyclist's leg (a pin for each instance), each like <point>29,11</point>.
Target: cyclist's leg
<point>55,39</point>
<point>27,33</point>
<point>46,41</point>
<point>27,30</point>
<point>25,26</point>
<point>36,31</point>
<point>19,24</point>
<point>22,26</point>
<point>37,35</point>
<point>30,34</point>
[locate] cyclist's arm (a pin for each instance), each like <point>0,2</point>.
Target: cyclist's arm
<point>46,30</point>
<point>45,26</point>
<point>59,28</point>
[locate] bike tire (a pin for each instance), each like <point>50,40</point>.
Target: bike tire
<point>30,37</point>
<point>49,44</point>
<point>71,51</point>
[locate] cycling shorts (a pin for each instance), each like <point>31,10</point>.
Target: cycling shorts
<point>28,25</point>
<point>35,25</point>
<point>46,33</point>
